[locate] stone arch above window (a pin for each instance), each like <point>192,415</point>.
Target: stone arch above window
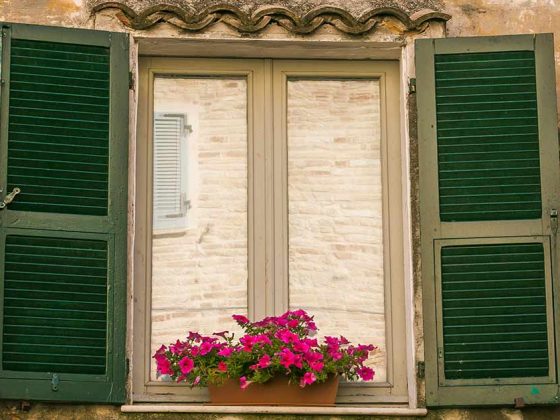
<point>355,18</point>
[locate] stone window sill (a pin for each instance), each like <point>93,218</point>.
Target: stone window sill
<point>217,409</point>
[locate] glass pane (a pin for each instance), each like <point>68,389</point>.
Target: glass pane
<point>199,248</point>
<point>335,209</point>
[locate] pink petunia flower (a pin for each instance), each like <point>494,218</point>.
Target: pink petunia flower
<point>186,365</point>
<point>240,319</point>
<point>163,365</point>
<point>222,366</point>
<point>225,352</point>
<point>307,379</point>
<point>264,362</point>
<point>221,334</point>
<point>366,373</point>
<point>206,348</point>
<point>243,382</point>
<point>301,347</point>
<point>316,366</point>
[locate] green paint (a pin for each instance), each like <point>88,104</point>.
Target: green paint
<point>489,176</point>
<point>63,239</point>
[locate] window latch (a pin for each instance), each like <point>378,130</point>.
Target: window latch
<point>9,198</point>
<point>554,221</point>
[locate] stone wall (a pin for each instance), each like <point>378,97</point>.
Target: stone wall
<point>469,18</point>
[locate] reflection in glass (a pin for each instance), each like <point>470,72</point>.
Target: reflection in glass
<point>335,209</point>
<point>199,245</point>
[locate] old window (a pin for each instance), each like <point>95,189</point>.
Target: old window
<point>294,188</point>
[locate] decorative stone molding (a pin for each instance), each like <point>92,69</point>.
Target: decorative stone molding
<point>189,19</point>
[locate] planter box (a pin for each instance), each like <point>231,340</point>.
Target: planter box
<point>277,391</point>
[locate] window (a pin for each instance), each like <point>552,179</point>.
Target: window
<point>294,184</point>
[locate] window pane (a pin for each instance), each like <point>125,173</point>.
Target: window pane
<point>199,248</point>
<point>335,209</point>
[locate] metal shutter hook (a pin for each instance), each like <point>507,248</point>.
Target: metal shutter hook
<point>10,197</point>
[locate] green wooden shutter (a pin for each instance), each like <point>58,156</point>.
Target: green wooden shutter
<point>489,192</point>
<point>64,142</point>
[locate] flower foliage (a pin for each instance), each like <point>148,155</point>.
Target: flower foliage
<point>271,347</point>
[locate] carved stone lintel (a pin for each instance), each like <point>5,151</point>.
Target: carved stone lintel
<point>189,19</point>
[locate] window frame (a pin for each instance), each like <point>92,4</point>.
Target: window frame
<point>267,234</point>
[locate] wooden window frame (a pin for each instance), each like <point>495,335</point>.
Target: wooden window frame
<point>267,196</point>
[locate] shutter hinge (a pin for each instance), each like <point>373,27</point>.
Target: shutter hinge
<point>412,85</point>
<point>440,353</point>
<point>131,80</point>
<point>55,381</point>
<point>421,369</point>
<point>127,366</point>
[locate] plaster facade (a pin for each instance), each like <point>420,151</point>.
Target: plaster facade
<point>468,18</point>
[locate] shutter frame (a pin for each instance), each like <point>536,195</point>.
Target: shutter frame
<point>112,228</point>
<point>438,392</point>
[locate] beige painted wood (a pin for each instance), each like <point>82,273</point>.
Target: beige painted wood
<point>148,69</point>
<point>286,49</point>
<point>388,75</point>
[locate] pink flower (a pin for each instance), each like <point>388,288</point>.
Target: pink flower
<point>262,339</point>
<point>343,340</point>
<point>264,362</point>
<point>206,348</point>
<point>292,323</point>
<point>335,355</point>
<point>301,347</point>
<point>287,336</point>
<point>312,327</point>
<point>366,373</point>
<point>243,382</point>
<point>178,347</point>
<point>163,365</point>
<point>248,342</point>
<point>313,356</point>
<point>221,334</point>
<point>225,352</point>
<point>240,319</point>
<point>332,342</point>
<point>222,366</point>
<point>196,381</point>
<point>194,336</point>
<point>307,379</point>
<point>316,366</point>
<point>186,365</point>
<point>287,359</point>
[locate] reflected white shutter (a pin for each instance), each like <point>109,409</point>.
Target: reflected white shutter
<point>170,203</point>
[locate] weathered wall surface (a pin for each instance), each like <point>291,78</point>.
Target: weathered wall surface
<point>506,17</point>
<point>469,18</point>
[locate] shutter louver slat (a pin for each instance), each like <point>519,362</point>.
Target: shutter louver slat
<point>52,76</point>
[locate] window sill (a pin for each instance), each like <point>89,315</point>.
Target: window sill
<point>218,409</point>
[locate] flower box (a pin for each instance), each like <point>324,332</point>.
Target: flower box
<point>277,391</point>
<point>278,361</point>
